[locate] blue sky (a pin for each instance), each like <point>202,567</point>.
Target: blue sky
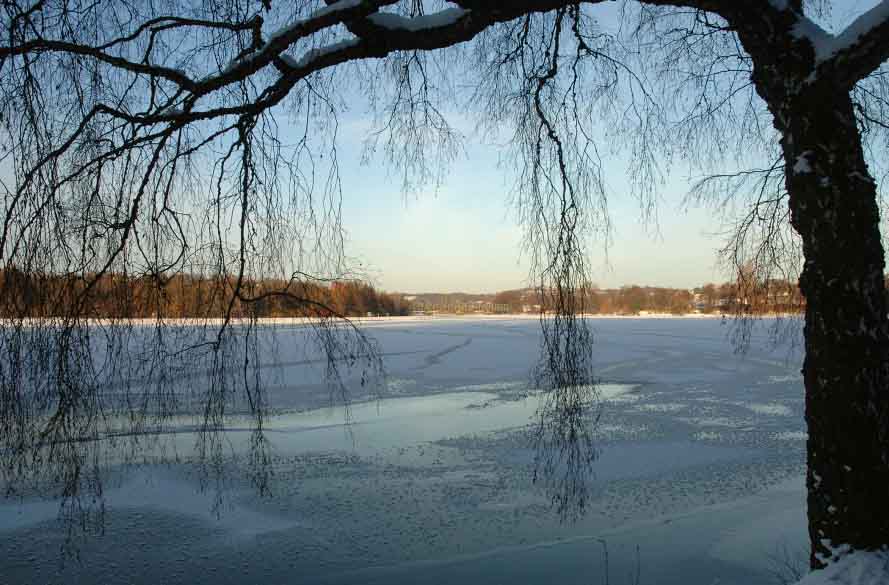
<point>462,236</point>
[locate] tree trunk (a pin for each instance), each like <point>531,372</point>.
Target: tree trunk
<point>834,208</point>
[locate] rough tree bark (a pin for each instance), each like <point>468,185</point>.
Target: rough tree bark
<point>833,204</point>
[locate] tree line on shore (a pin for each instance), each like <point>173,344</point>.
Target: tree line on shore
<point>194,296</point>
<point>182,296</point>
<point>774,296</point>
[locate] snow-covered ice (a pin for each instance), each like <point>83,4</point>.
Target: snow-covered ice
<point>700,451</point>
<point>770,409</point>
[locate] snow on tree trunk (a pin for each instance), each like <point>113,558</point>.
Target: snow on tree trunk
<point>834,208</point>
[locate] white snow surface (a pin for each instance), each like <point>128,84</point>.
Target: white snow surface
<point>314,54</point>
<point>822,41</point>
<point>861,26</point>
<point>802,166</point>
<point>439,19</point>
<point>827,45</point>
<point>335,7</point>
<point>858,568</point>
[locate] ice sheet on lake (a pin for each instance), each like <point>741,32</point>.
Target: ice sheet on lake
<point>792,436</point>
<point>771,409</point>
<point>438,470</point>
<point>154,491</point>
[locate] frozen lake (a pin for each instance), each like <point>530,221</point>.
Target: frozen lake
<point>699,478</point>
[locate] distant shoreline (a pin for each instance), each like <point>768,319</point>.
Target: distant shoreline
<point>306,321</point>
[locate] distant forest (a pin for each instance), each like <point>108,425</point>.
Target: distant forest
<point>771,297</point>
<point>192,296</point>
<point>188,296</point>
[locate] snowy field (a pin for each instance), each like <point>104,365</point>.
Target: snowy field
<point>699,479</point>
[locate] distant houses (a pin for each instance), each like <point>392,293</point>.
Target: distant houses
<point>478,307</point>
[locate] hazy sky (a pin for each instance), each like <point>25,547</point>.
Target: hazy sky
<point>464,238</point>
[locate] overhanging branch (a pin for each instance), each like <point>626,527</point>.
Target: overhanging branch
<point>860,48</point>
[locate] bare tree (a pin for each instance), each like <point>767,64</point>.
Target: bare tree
<point>144,140</point>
